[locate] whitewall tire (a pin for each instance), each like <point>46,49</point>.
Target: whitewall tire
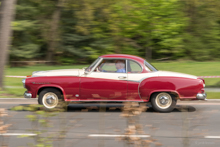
<point>50,98</point>
<point>163,102</point>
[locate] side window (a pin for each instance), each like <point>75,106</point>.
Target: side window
<point>113,65</point>
<point>134,67</point>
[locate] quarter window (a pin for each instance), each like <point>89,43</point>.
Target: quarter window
<point>134,67</point>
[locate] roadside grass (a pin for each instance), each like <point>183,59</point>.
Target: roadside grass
<point>213,95</point>
<point>194,68</point>
<point>190,67</point>
<point>27,70</point>
<point>14,86</point>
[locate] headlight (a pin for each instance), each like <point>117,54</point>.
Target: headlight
<point>23,81</point>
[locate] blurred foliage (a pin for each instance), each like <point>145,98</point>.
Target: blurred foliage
<point>41,123</point>
<point>188,29</point>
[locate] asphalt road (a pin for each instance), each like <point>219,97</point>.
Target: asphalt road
<point>191,124</point>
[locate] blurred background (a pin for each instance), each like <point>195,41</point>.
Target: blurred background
<point>175,35</point>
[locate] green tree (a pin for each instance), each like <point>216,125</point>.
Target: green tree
<point>202,33</point>
<point>154,25</point>
<point>30,39</point>
<point>80,31</point>
<point>36,29</point>
<point>86,34</point>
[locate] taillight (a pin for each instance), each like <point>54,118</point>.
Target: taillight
<point>202,81</point>
<point>28,76</point>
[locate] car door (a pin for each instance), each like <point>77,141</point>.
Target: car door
<point>135,75</point>
<point>105,82</point>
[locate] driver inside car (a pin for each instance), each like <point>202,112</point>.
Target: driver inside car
<point>119,64</point>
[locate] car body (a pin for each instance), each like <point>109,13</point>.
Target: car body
<point>139,81</point>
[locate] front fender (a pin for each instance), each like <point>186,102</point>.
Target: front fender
<point>52,86</point>
<point>69,85</point>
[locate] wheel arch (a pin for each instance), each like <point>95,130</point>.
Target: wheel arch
<point>171,92</point>
<point>54,87</point>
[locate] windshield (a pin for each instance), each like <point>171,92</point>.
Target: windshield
<point>92,65</point>
<point>149,67</point>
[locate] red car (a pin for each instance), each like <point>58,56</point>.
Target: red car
<point>114,78</point>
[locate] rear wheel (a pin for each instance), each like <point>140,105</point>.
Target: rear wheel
<point>163,102</point>
<point>51,98</point>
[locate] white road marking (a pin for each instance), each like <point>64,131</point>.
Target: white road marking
<point>141,136</point>
<point>9,103</point>
<point>17,134</point>
<point>17,98</point>
<point>194,104</point>
<point>108,135</point>
<point>213,137</point>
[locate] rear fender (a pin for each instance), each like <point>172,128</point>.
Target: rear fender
<point>185,88</point>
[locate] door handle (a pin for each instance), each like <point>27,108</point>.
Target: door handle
<point>122,77</point>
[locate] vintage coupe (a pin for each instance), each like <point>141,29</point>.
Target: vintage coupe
<point>114,78</point>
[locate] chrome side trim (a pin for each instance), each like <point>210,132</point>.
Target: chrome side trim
<point>103,101</point>
<point>134,81</point>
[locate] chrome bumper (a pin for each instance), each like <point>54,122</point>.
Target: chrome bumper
<point>201,96</point>
<point>27,95</point>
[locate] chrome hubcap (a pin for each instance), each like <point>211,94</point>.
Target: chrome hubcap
<point>50,100</point>
<point>163,100</point>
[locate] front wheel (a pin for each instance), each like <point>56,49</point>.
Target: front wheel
<point>51,98</point>
<point>163,102</point>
